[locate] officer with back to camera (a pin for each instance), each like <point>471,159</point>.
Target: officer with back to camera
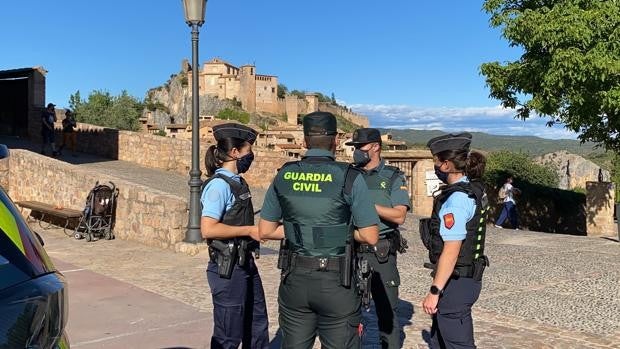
<point>319,202</point>
<point>388,190</point>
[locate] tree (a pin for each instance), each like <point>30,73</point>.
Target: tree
<point>103,109</point>
<point>75,100</point>
<point>282,90</point>
<point>334,99</point>
<point>570,68</point>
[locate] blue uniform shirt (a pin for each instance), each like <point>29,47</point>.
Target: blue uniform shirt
<point>217,198</point>
<point>454,214</point>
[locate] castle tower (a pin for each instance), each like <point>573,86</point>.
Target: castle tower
<point>313,102</point>
<point>247,88</point>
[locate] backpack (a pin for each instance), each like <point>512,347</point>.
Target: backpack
<point>502,193</point>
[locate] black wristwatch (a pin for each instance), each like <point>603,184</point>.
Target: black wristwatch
<point>436,291</point>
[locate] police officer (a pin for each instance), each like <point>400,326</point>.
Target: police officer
<point>239,309</point>
<point>455,237</point>
<point>319,202</point>
<point>388,189</point>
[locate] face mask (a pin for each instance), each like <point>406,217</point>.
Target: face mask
<point>244,162</point>
<point>360,157</point>
<point>443,176</point>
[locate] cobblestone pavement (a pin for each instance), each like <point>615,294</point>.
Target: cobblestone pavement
<point>541,290</point>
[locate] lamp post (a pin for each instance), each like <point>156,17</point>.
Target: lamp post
<point>194,17</point>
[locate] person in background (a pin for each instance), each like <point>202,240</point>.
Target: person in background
<point>48,117</point>
<point>509,205</point>
<point>68,133</point>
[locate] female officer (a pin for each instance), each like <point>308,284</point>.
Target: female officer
<point>455,241</point>
<point>239,309</point>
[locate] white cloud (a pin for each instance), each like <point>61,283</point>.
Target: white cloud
<point>493,120</point>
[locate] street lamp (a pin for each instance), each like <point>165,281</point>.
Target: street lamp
<point>194,17</point>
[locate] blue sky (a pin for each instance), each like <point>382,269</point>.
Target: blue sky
<point>403,63</point>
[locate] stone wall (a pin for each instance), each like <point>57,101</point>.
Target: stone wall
<point>165,153</point>
<point>355,118</point>
<point>600,201</point>
<point>143,214</point>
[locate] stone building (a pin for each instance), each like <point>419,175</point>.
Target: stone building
<point>257,93</point>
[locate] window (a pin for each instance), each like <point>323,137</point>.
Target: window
<point>273,90</point>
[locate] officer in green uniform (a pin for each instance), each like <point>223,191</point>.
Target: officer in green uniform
<point>319,201</point>
<point>388,189</point>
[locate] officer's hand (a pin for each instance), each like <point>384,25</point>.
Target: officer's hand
<point>430,303</point>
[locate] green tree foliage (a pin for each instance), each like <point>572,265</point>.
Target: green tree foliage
<point>282,90</point>
<point>232,114</point>
<point>570,68</point>
<point>300,94</point>
<point>504,163</point>
<point>121,112</point>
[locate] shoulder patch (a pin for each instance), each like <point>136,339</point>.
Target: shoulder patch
<point>448,220</point>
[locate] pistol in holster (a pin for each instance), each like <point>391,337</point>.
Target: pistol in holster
<point>285,257</point>
<point>224,254</point>
<point>346,265</point>
<point>425,232</point>
<point>364,280</point>
<point>480,265</point>
<point>246,246</point>
<point>399,243</point>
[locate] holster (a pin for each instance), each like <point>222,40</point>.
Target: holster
<point>480,265</point>
<point>224,255</point>
<point>399,243</point>
<point>346,265</point>
<point>284,259</point>
<point>245,247</point>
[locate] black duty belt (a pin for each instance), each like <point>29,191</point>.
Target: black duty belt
<point>317,263</point>
<point>459,271</point>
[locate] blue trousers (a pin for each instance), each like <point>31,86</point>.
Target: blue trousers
<point>239,308</point>
<point>453,327</point>
<point>509,210</point>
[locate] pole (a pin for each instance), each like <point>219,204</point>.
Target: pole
<point>193,234</point>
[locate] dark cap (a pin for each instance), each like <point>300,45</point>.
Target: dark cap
<point>365,136</point>
<point>451,141</point>
<point>233,130</point>
<point>68,112</point>
<point>50,105</point>
<point>320,123</point>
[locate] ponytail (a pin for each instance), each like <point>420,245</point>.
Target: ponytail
<point>475,165</point>
<point>217,155</point>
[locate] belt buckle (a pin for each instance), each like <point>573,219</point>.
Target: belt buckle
<point>323,264</point>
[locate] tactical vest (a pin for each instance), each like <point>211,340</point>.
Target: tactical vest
<point>380,189</point>
<point>315,214</point>
<point>242,211</point>
<point>473,246</point>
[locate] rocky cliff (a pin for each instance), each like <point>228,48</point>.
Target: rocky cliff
<point>172,102</point>
<point>573,170</point>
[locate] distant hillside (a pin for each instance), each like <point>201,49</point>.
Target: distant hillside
<point>534,146</point>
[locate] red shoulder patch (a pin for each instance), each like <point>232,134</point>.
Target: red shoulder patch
<point>448,220</point>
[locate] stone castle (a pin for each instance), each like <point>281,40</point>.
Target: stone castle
<point>259,93</point>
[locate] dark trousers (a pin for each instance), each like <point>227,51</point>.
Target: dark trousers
<point>453,327</point>
<point>509,210</point>
<point>239,308</point>
<point>313,302</point>
<point>384,289</point>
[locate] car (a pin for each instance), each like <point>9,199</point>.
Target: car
<point>33,293</point>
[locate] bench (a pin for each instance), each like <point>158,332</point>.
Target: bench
<point>56,213</point>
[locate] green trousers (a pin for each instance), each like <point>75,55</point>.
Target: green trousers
<point>313,302</point>
<point>384,289</point>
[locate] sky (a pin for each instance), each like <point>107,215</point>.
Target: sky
<point>403,63</point>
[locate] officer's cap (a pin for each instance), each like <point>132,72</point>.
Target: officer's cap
<point>232,130</point>
<point>320,123</point>
<point>451,141</point>
<point>364,136</point>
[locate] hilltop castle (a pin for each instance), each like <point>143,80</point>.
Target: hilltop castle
<point>259,93</point>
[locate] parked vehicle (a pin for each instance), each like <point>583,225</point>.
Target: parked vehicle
<point>33,293</point>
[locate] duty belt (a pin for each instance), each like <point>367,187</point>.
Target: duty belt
<point>464,271</point>
<point>317,263</point>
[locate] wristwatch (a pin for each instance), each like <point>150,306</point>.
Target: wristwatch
<point>436,291</point>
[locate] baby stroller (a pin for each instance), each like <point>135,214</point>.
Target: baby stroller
<point>99,213</point>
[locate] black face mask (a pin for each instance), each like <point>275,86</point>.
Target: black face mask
<point>443,176</point>
<point>244,162</point>
<point>360,157</point>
